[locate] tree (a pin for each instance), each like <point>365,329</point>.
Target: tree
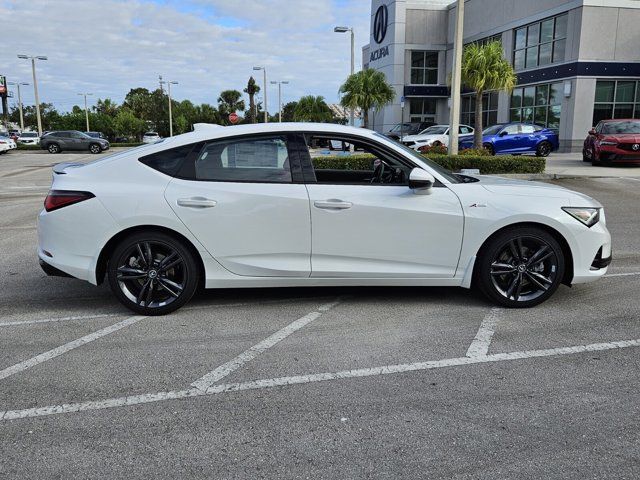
<point>106,107</point>
<point>366,89</point>
<point>138,100</point>
<point>251,90</point>
<point>288,111</point>
<point>484,68</point>
<point>127,124</point>
<point>312,109</point>
<point>230,101</point>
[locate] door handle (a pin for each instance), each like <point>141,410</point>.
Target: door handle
<point>332,204</point>
<point>197,202</point>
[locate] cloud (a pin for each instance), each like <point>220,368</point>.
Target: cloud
<point>109,46</point>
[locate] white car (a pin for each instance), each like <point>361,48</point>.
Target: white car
<point>6,144</point>
<point>246,207</point>
<point>434,136</point>
<point>150,137</point>
<point>29,138</point>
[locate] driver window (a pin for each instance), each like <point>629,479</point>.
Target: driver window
<point>342,161</point>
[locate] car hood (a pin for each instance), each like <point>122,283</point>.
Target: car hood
<point>509,186</point>
<point>624,138</point>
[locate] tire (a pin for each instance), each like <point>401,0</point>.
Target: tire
<point>160,289</point>
<point>515,281</point>
<point>54,148</point>
<point>543,149</point>
<point>437,143</point>
<point>489,148</point>
<point>585,158</point>
<point>95,148</point>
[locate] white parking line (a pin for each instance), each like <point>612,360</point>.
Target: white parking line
<point>232,365</point>
<point>480,345</point>
<point>56,352</point>
<point>311,378</point>
<point>629,274</point>
<point>59,319</point>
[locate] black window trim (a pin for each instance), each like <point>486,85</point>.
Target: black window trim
<point>309,171</point>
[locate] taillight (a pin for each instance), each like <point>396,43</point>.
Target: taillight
<point>63,198</point>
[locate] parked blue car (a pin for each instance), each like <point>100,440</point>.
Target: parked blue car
<point>517,138</point>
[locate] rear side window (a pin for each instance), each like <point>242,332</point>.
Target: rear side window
<point>264,160</point>
<point>168,161</point>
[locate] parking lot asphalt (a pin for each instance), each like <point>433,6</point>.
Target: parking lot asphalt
<point>315,383</point>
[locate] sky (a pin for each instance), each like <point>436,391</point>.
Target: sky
<point>106,47</point>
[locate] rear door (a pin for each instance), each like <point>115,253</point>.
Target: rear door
<point>240,199</point>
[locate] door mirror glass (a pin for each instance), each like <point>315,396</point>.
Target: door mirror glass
<point>503,133</point>
<point>421,181</point>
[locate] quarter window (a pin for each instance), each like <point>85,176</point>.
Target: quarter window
<point>616,99</point>
<point>424,68</point>
<point>167,161</point>
<point>541,43</point>
<point>264,160</point>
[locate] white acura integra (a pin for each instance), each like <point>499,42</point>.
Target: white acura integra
<point>247,206</point>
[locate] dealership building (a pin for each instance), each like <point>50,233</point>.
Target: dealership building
<point>577,61</point>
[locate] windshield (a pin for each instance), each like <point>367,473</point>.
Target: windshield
<point>401,126</point>
<point>151,134</point>
<point>452,177</point>
<point>492,130</point>
<point>621,128</point>
<point>29,134</point>
<point>435,130</point>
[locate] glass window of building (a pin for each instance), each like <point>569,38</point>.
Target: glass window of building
<point>422,109</point>
<point>539,104</point>
<point>424,68</point>
<point>616,99</point>
<point>489,109</point>
<point>541,43</point>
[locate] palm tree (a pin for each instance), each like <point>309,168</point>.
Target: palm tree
<point>365,90</point>
<point>251,90</point>
<point>485,68</point>
<point>230,101</point>
<point>312,109</point>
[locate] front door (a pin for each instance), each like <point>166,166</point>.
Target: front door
<point>243,206</point>
<point>367,223</point>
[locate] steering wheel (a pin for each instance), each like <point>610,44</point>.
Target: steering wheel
<point>378,172</point>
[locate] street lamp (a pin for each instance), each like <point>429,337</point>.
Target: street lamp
<point>35,85</point>
<point>266,110</point>
<point>170,116</point>
<point>353,60</point>
<point>280,83</point>
<point>86,110</point>
<point>17,84</point>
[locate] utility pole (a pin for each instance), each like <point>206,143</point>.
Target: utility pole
<point>280,83</point>
<point>353,62</point>
<point>86,109</point>
<point>17,84</point>
<point>35,85</point>
<point>169,83</point>
<point>161,83</point>
<point>456,83</point>
<point>266,109</point>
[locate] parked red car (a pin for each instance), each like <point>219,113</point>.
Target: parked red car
<point>613,141</point>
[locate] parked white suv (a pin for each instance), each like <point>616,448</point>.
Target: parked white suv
<point>6,144</point>
<point>150,137</point>
<point>434,136</point>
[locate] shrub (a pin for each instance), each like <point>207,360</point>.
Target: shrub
<point>434,150</point>
<point>22,146</point>
<point>476,152</point>
<point>487,165</point>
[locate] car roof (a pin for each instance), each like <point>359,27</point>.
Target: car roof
<point>621,120</point>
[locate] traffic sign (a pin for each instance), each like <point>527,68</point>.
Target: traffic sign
<point>233,117</point>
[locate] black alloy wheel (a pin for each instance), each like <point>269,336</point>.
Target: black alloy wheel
<point>543,150</point>
<point>54,148</point>
<point>152,274</point>
<point>521,267</point>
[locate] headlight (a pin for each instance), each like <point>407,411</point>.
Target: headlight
<point>606,142</point>
<point>588,216</point>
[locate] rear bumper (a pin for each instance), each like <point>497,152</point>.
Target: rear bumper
<point>51,270</point>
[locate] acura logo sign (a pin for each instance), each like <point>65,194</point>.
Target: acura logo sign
<point>380,23</point>
<point>636,147</point>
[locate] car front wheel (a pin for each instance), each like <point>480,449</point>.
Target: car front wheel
<point>520,267</point>
<point>489,148</point>
<point>95,148</point>
<point>152,273</point>
<point>54,148</point>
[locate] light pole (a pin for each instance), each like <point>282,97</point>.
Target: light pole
<point>86,109</point>
<point>280,83</point>
<point>353,60</point>
<point>170,117</point>
<point>35,85</point>
<point>454,120</point>
<point>266,110</point>
<point>17,84</point>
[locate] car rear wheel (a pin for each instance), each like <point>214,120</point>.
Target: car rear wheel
<point>54,148</point>
<point>520,267</point>
<point>95,148</point>
<point>543,149</point>
<point>152,273</point>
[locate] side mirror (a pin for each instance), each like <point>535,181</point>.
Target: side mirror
<point>421,181</point>
<point>502,133</point>
<point>592,132</point>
